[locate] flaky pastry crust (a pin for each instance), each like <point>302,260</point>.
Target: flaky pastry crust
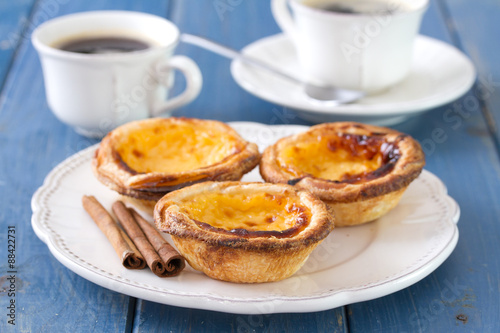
<point>354,197</point>
<point>148,158</point>
<point>238,254</point>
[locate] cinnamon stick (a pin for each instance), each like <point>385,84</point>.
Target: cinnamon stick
<point>138,236</point>
<point>129,254</point>
<point>174,262</point>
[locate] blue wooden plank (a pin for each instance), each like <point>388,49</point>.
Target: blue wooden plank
<point>13,20</point>
<point>475,27</point>
<point>462,294</point>
<point>235,24</point>
<point>49,297</point>
<point>433,24</point>
<point>222,99</point>
<point>155,318</point>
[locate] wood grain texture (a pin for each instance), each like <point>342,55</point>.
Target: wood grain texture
<point>235,24</point>
<point>153,317</point>
<point>461,295</point>
<point>50,298</point>
<point>222,99</point>
<point>13,22</point>
<point>465,284</point>
<point>475,28</point>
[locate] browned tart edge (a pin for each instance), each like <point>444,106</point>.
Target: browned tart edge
<point>373,197</point>
<point>235,258</point>
<point>112,172</point>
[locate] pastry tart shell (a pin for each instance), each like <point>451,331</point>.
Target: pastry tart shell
<point>235,256</point>
<point>353,201</point>
<point>148,186</point>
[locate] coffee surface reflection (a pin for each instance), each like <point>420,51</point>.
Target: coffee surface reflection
<point>365,7</point>
<point>103,45</point>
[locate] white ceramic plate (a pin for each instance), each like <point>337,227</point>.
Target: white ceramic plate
<point>440,73</point>
<point>352,265</point>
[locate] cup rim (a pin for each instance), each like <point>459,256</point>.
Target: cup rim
<point>51,50</point>
<point>323,13</point>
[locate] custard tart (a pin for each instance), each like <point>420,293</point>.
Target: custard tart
<point>244,232</point>
<point>360,171</point>
<point>148,158</point>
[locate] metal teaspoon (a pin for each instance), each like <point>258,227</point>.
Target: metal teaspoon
<point>333,95</point>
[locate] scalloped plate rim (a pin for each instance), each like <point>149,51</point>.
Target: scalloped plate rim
<point>217,302</point>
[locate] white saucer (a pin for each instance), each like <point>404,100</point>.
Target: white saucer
<point>440,73</point>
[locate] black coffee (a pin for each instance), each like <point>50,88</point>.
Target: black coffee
<point>103,45</point>
<point>357,6</point>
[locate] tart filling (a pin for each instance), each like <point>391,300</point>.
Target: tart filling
<point>146,159</point>
<point>244,232</point>
<point>360,171</point>
<point>256,215</point>
<point>348,158</point>
<point>175,147</point>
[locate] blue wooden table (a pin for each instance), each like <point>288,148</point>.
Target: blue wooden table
<point>461,295</point>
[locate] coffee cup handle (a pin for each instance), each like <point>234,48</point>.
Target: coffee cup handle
<point>194,82</point>
<point>283,17</point>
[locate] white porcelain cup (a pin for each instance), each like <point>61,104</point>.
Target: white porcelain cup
<point>95,93</point>
<point>368,50</point>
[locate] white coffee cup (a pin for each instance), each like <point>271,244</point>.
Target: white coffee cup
<point>95,93</point>
<point>369,50</point>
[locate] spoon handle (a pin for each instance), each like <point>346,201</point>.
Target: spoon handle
<point>233,54</point>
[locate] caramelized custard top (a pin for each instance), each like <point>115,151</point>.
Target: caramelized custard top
<point>175,147</point>
<point>248,214</point>
<point>349,158</point>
